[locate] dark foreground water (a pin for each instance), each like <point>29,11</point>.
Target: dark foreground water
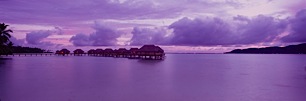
<point>180,77</point>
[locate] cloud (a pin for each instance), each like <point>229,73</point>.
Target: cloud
<point>210,22</point>
<point>258,29</point>
<point>212,31</point>
<point>241,18</point>
<point>17,42</point>
<point>197,32</point>
<point>208,31</point>
<point>103,36</point>
<point>58,30</point>
<point>36,37</point>
<point>297,28</point>
<point>72,11</point>
<point>81,40</point>
<point>39,38</point>
<point>148,36</point>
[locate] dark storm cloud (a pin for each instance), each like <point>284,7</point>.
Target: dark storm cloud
<point>148,36</point>
<point>297,28</point>
<point>104,36</point>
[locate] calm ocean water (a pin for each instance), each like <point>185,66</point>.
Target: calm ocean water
<point>180,77</point>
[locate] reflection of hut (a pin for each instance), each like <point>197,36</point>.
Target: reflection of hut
<point>78,52</point>
<point>91,52</point>
<point>151,52</point>
<point>108,52</point>
<point>99,52</point>
<point>63,52</point>
<point>133,53</point>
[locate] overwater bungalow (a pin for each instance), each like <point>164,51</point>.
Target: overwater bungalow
<point>145,52</point>
<point>91,52</point>
<point>78,52</point>
<point>108,52</point>
<point>126,53</point>
<point>133,53</point>
<point>151,52</point>
<point>121,52</point>
<point>99,52</point>
<point>64,52</point>
<point>57,52</point>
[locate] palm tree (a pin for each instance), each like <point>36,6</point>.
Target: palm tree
<point>5,35</point>
<point>5,40</point>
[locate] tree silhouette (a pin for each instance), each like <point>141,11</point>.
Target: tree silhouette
<point>6,46</point>
<point>5,43</point>
<point>5,35</point>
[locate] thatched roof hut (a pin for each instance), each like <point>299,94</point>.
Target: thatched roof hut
<point>151,52</point>
<point>78,51</point>
<point>91,51</point>
<point>64,51</point>
<point>151,48</point>
<point>133,50</point>
<point>99,51</point>
<point>122,50</point>
<point>108,50</point>
<point>57,52</point>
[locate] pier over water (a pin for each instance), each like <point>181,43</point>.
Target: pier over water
<point>150,52</point>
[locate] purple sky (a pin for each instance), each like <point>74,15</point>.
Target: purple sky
<point>177,25</point>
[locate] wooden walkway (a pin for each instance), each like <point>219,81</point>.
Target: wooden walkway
<point>148,52</point>
<point>85,54</point>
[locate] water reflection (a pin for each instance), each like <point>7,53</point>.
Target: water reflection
<point>149,62</point>
<point>4,60</point>
<point>5,68</point>
<point>180,77</point>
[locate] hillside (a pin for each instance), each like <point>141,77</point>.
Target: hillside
<point>291,49</point>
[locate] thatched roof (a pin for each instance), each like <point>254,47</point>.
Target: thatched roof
<point>134,49</point>
<point>122,50</point>
<point>65,51</point>
<point>91,51</point>
<point>151,48</point>
<point>99,51</point>
<point>79,51</point>
<point>108,50</point>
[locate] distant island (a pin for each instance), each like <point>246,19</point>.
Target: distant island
<point>291,49</point>
<point>20,49</point>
